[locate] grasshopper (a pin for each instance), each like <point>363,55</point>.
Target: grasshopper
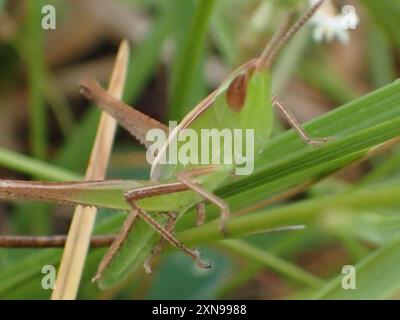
<point>243,101</point>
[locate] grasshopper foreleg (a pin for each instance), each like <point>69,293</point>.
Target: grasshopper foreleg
<point>117,243</point>
<point>132,196</point>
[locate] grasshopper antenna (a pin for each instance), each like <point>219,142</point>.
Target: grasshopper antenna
<point>283,29</point>
<point>269,54</point>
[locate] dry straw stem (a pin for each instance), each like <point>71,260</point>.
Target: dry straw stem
<point>78,240</point>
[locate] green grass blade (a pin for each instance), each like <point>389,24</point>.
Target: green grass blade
<point>33,50</point>
<point>188,60</point>
<point>33,167</point>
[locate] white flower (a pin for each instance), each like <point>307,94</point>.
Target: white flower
<point>328,25</point>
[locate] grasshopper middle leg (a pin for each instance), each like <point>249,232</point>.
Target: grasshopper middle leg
<point>296,125</point>
<point>186,177</point>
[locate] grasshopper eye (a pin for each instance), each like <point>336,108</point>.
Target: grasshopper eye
<point>237,91</point>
